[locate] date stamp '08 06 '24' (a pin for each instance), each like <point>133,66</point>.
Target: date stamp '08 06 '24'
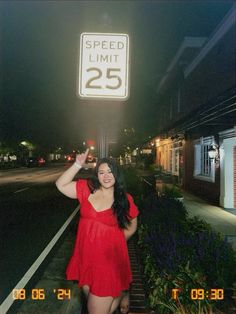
<point>39,294</point>
<point>201,294</point>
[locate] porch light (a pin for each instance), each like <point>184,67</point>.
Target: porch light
<point>213,152</point>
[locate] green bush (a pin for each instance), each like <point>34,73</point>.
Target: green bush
<point>172,192</point>
<point>163,210</point>
<point>179,252</point>
<point>135,186</point>
<point>174,246</point>
<point>132,181</point>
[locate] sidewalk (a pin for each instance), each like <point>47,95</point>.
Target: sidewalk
<point>220,219</point>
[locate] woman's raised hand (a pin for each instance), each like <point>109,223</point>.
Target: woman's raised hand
<point>65,182</point>
<point>81,158</point>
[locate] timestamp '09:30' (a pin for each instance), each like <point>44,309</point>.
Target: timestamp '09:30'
<point>201,294</point>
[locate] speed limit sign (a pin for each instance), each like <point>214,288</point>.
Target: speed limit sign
<point>104,66</point>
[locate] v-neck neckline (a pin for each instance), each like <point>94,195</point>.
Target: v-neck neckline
<point>97,211</point>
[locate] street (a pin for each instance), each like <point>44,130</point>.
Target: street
<point>32,211</point>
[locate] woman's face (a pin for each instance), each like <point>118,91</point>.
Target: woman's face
<point>105,176</point>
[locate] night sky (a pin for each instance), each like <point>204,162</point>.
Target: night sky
<point>39,46</point>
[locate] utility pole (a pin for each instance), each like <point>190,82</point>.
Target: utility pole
<point>103,145</point>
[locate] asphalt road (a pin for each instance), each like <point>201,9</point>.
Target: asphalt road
<point>32,210</point>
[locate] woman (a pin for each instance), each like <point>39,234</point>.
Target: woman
<point>108,218</point>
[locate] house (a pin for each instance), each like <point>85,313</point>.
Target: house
<point>196,138</point>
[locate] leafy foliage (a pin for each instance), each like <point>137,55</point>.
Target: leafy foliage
<point>172,192</point>
<point>181,252</point>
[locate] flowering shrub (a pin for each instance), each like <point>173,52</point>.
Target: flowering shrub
<point>181,253</point>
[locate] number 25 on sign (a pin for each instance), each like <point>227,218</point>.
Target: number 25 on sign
<point>104,66</point>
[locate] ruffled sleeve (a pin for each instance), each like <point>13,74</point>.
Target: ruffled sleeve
<point>133,209</point>
<point>82,190</point>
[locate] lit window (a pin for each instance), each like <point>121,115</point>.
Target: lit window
<point>176,161</point>
<point>170,158</point>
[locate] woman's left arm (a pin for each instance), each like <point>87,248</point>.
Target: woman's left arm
<point>130,230</point>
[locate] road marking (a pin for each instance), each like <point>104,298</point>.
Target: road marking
<point>7,303</point>
<point>21,190</point>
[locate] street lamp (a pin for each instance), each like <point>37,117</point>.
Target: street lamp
<point>29,147</point>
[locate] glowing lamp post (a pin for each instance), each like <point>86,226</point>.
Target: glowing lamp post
<point>28,146</point>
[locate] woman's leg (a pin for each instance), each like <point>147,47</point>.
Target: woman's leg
<point>86,290</point>
<point>99,305</point>
<point>124,303</point>
<point>115,301</point>
<point>115,304</point>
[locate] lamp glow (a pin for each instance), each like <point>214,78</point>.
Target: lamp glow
<point>212,152</point>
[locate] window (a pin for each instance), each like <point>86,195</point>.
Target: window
<point>170,158</point>
<point>205,161</point>
<point>203,166</point>
<point>176,161</point>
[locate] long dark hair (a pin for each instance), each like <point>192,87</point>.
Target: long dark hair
<point>121,205</point>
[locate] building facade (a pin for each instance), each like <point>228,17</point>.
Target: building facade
<point>196,141</point>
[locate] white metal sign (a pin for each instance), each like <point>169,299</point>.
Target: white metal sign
<point>104,66</point>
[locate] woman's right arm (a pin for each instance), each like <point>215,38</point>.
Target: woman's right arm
<point>65,183</point>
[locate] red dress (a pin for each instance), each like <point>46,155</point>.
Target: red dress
<point>100,258</point>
